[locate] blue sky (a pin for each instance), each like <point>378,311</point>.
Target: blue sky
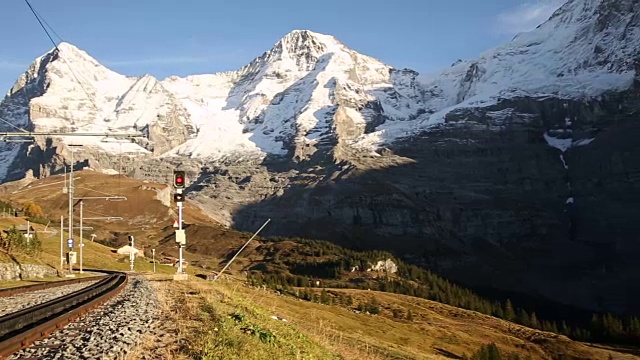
<point>164,38</point>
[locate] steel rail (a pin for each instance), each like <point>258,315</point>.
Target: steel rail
<point>45,285</point>
<point>20,329</point>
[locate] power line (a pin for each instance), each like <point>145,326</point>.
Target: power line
<point>37,16</point>
<point>46,23</point>
<point>41,24</point>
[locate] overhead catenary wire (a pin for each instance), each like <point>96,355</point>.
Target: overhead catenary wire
<point>38,18</point>
<point>41,24</point>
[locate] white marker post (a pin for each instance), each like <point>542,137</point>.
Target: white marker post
<point>131,253</point>
<point>61,242</point>
<point>153,257</point>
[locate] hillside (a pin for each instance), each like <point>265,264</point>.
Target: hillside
<point>433,330</point>
<point>241,325</point>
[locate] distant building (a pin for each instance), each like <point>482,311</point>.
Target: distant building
<point>23,229</point>
<point>127,250</point>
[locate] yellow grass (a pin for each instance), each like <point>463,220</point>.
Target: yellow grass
<point>198,315</point>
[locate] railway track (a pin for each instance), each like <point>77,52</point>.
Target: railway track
<point>20,329</point>
<point>43,286</point>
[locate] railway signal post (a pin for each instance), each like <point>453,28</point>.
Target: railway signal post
<point>179,181</point>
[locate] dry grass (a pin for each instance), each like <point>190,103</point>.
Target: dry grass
<point>199,318</point>
<point>436,329</point>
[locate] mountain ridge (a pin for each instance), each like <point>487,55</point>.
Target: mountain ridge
<point>242,112</point>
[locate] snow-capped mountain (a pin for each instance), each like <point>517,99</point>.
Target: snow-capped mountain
<point>311,91</point>
<point>587,47</point>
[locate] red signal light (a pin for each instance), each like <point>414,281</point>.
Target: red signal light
<point>178,179</point>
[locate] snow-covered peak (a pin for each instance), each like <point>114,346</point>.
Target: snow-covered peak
<point>304,48</point>
<point>73,64</point>
<point>596,33</point>
<point>586,47</point>
<point>311,92</point>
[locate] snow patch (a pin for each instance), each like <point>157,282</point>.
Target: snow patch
<point>560,144</point>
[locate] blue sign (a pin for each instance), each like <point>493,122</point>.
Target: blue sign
<point>70,243</point>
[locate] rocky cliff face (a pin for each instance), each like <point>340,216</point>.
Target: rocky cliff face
<point>488,201</point>
<point>515,170</point>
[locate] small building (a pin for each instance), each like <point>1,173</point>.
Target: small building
<point>127,250</point>
<point>23,229</point>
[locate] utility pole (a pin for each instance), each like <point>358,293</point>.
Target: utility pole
<point>81,244</point>
<point>70,192</point>
<point>61,242</point>
<point>82,218</point>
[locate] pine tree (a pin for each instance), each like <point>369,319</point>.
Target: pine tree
<point>534,321</point>
<point>324,297</point>
<point>633,329</point>
<point>523,317</point>
<point>409,315</point>
<point>498,312</point>
<point>397,313</point>
<point>349,300</point>
<point>509,313</point>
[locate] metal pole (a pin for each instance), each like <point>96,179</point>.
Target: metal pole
<point>71,200</point>
<point>131,254</point>
<point>61,242</point>
<point>242,248</point>
<point>180,228</point>
<point>81,245</point>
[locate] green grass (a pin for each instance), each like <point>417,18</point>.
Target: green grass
<point>225,325</point>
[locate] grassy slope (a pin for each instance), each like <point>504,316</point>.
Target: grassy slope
<point>204,313</point>
<point>314,330</point>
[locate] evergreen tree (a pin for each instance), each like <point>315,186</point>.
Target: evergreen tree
<point>633,330</point>
<point>534,321</point>
<point>324,297</point>
<point>523,317</point>
<point>509,313</point>
<point>498,312</point>
<point>349,300</point>
<point>409,315</point>
<point>397,313</point>
<point>487,352</point>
